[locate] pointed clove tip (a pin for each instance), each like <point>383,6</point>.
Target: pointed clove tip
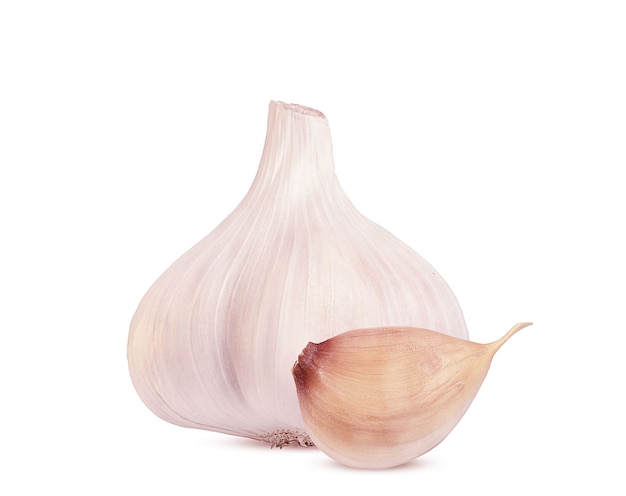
<point>513,330</point>
<point>521,325</point>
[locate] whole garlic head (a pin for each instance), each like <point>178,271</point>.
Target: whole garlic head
<point>213,341</point>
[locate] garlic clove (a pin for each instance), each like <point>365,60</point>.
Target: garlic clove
<point>212,342</point>
<point>378,398</point>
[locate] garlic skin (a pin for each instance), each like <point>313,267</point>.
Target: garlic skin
<point>212,342</point>
<point>378,398</point>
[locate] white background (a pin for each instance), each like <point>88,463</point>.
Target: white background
<point>489,136</point>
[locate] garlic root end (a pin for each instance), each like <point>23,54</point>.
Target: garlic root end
<point>282,438</point>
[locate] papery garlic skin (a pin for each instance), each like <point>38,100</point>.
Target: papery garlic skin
<point>378,398</point>
<point>212,343</point>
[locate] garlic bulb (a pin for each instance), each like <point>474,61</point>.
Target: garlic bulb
<point>378,398</point>
<point>212,343</point>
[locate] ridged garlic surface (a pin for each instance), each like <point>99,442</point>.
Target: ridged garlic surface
<point>212,343</point>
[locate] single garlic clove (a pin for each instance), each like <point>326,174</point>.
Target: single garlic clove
<point>378,398</point>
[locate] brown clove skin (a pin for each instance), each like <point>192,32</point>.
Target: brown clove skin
<point>378,398</point>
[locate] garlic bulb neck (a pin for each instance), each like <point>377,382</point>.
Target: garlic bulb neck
<point>212,342</point>
<point>298,144</point>
<point>297,163</point>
